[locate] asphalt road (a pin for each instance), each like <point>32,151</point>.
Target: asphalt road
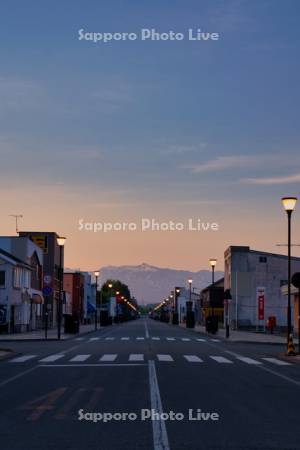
<point>56,395</point>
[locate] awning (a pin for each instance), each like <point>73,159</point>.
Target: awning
<point>90,308</point>
<point>37,298</point>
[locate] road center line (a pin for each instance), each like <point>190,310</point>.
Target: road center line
<point>146,330</point>
<point>160,436</point>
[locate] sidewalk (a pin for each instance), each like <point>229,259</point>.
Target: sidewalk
<point>39,335</point>
<point>244,336</point>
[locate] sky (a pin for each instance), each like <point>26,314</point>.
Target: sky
<point>167,130</point>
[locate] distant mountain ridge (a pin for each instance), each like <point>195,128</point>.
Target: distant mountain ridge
<point>150,284</point>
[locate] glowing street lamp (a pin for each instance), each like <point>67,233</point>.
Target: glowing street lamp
<point>96,273</point>
<point>61,242</point>
<point>289,204</point>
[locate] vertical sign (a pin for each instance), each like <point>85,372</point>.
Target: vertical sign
<point>260,296</point>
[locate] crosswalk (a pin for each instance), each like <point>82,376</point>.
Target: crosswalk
<point>143,338</point>
<point>140,358</point>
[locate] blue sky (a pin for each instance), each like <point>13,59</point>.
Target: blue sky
<point>160,127</point>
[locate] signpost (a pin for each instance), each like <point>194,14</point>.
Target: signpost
<point>260,301</point>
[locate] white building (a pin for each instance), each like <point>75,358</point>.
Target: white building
<point>255,280</point>
<point>24,309</point>
<point>15,301</point>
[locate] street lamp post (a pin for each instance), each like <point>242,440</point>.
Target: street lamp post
<point>96,273</point>
<point>61,243</point>
<point>213,263</point>
<point>289,204</point>
<point>175,313</point>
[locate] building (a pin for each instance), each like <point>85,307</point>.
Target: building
<point>89,300</point>
<point>74,285</point>
<point>47,241</point>
<point>29,253</point>
<point>212,301</point>
<point>15,299</point>
<point>255,279</point>
<point>295,305</point>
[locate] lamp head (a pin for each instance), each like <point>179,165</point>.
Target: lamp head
<point>96,273</point>
<point>190,281</point>
<point>289,203</point>
<point>213,262</point>
<point>61,241</point>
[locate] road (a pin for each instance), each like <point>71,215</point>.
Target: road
<point>248,396</point>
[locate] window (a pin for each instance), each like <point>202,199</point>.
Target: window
<point>17,277</point>
<point>2,278</point>
<point>262,259</point>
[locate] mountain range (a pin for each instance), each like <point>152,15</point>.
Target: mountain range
<point>150,284</point>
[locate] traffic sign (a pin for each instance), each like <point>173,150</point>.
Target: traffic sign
<point>47,279</point>
<point>47,290</point>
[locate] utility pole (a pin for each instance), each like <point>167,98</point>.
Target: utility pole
<point>16,216</point>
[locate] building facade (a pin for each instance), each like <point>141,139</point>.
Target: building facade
<point>15,300</point>
<point>29,253</point>
<point>74,285</point>
<point>255,279</point>
<point>47,241</point>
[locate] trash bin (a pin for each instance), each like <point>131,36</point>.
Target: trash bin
<point>71,324</point>
<point>211,324</point>
<point>190,319</point>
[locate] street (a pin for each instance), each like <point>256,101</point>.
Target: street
<point>144,365</point>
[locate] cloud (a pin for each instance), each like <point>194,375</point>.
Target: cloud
<point>183,149</point>
<point>295,178</point>
<point>221,163</point>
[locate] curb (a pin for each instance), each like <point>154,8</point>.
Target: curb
<point>48,339</point>
<point>229,341</point>
<point>9,354</point>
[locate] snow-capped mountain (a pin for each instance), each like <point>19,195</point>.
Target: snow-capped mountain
<point>150,284</point>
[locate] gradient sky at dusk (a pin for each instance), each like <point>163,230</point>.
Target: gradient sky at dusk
<point>169,130</point>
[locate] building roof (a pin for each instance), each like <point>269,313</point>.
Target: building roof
<point>217,284</point>
<point>245,249</point>
<point>13,259</point>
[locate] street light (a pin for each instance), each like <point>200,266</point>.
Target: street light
<point>96,273</point>
<point>61,242</point>
<point>190,281</point>
<point>213,263</point>
<point>289,204</point>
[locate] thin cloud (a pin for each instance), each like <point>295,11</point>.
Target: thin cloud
<point>288,179</point>
<point>221,163</point>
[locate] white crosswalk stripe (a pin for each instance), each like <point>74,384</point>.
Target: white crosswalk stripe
<point>215,340</point>
<point>185,339</point>
<point>155,338</point>
<point>23,358</point>
<point>221,359</point>
<point>52,358</point>
<point>140,338</point>
<point>80,358</point>
<point>247,360</point>
<point>170,339</point>
<point>193,358</point>
<point>201,340</point>
<point>79,339</point>
<point>125,338</point>
<point>139,357</point>
<point>108,358</point>
<point>136,357</point>
<point>278,362</point>
<point>94,339</point>
<point>109,338</point>
<point>166,358</point>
